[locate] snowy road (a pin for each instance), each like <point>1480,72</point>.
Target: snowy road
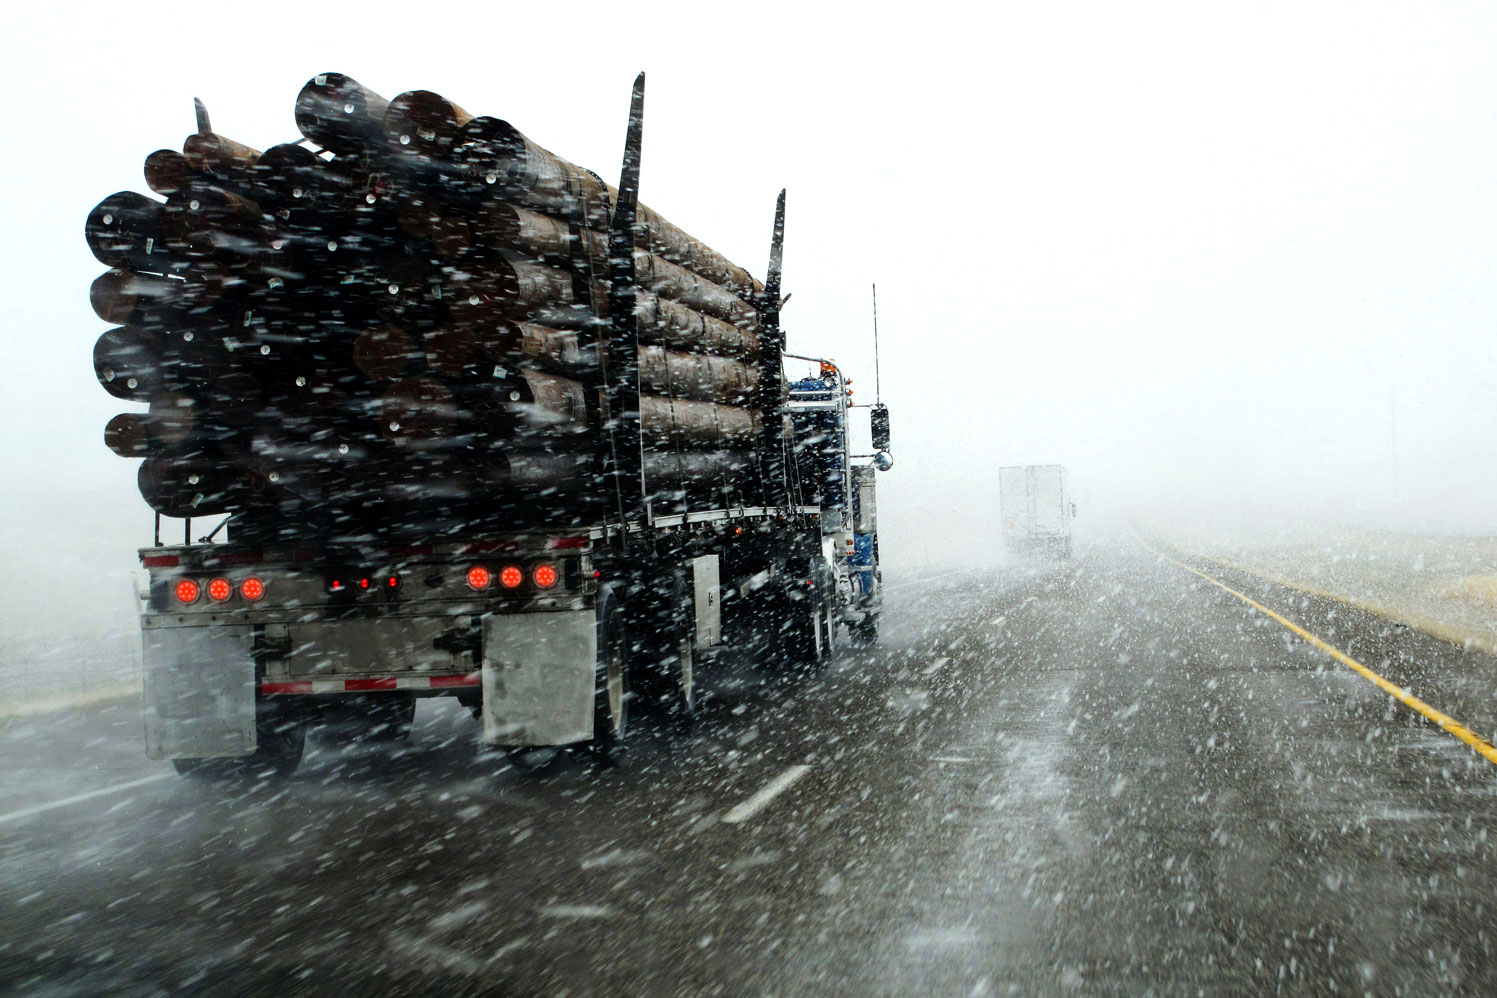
<point>1107,778</point>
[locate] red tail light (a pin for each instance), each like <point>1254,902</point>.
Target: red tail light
<point>187,591</point>
<point>393,582</point>
<point>511,577</point>
<point>545,575</point>
<point>479,577</point>
<point>220,590</point>
<point>252,588</point>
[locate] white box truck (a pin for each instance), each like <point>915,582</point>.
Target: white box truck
<point>1036,510</point>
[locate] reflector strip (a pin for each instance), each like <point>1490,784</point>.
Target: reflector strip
<point>360,685</point>
<point>160,561</point>
<point>407,552</point>
<point>480,547</point>
<point>442,682</point>
<point>271,689</point>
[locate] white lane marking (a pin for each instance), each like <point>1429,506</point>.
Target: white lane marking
<point>935,666</point>
<point>27,812</point>
<point>771,790</point>
<point>576,911</point>
<point>928,579</point>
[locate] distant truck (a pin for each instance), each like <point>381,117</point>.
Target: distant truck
<point>1036,510</point>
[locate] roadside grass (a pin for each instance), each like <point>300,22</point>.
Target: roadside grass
<point>1443,585</point>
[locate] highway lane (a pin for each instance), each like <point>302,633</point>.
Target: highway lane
<point>1109,777</point>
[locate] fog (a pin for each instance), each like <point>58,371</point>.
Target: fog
<point>1234,262</point>
<point>1231,265</point>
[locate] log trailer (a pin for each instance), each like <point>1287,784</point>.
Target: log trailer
<point>555,627</point>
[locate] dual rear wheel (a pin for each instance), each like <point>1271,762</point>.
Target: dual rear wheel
<point>646,665</point>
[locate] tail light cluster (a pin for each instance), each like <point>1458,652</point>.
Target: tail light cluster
<point>219,590</point>
<point>342,584</point>
<point>539,576</point>
<point>510,577</point>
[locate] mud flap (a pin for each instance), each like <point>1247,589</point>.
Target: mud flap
<point>539,672</point>
<point>199,692</point>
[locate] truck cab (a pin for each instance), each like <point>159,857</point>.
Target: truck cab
<point>820,410</point>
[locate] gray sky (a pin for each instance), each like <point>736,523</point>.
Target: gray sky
<point>1195,255</point>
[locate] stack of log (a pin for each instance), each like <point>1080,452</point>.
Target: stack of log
<point>406,309</point>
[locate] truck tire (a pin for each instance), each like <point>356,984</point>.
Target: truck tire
<point>391,718</point>
<point>612,697</point>
<point>805,636</point>
<point>664,657</point>
<point>865,632</point>
<point>681,702</point>
<point>281,738</point>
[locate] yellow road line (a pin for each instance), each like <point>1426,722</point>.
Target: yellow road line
<point>1450,724</point>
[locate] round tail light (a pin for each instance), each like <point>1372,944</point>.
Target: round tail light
<point>187,591</point>
<point>392,582</point>
<point>511,577</point>
<point>252,588</point>
<point>479,577</point>
<point>220,590</point>
<point>545,575</point>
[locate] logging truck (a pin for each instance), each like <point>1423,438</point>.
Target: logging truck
<point>559,591</point>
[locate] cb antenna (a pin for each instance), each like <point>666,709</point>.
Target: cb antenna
<point>876,395</point>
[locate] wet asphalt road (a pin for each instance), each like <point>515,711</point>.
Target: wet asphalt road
<point>1103,778</point>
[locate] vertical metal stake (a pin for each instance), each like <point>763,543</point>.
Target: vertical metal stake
<point>877,394</point>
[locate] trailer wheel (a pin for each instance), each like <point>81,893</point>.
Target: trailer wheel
<point>390,719</point>
<point>805,638</point>
<point>662,667</point>
<point>612,697</point>
<point>685,701</point>
<point>674,696</point>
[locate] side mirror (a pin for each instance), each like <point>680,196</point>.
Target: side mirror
<point>878,419</point>
<point>883,460</point>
